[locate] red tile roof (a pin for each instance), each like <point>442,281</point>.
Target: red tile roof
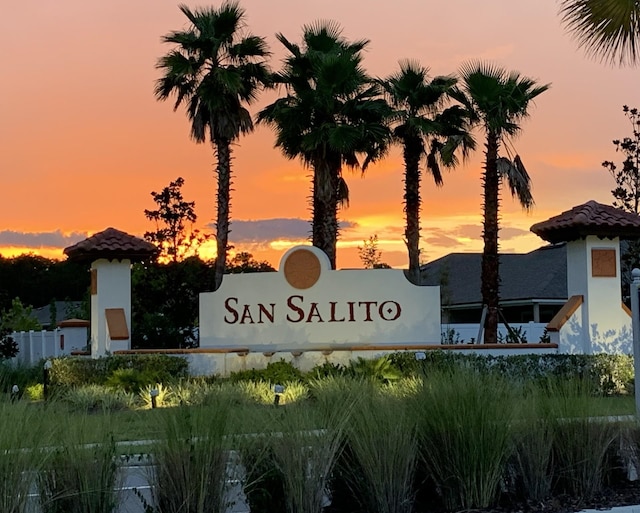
<point>592,218</point>
<point>111,244</point>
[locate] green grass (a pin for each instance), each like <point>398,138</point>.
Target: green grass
<point>459,430</point>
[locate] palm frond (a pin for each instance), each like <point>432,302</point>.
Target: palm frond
<point>518,180</point>
<point>606,29</point>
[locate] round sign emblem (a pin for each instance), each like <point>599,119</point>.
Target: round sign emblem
<point>302,269</point>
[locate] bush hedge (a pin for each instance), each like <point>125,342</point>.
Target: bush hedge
<point>68,372</point>
<point>608,374</point>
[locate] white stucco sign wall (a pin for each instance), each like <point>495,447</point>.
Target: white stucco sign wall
<point>306,305</point>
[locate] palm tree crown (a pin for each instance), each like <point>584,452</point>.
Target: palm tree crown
<point>424,128</point>
<point>499,101</point>
<point>215,71</point>
<point>609,29</point>
<point>330,116</point>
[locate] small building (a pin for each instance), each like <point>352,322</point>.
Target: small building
<point>533,286</point>
<point>111,253</point>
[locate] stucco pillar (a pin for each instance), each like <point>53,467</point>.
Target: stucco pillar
<point>110,289</point>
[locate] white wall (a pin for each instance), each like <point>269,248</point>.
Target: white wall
<point>114,291</point>
<point>343,307</point>
<point>600,324</point>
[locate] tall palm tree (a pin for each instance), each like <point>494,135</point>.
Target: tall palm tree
<point>499,101</point>
<point>331,115</point>
<point>424,128</point>
<point>216,71</point>
<point>609,29</point>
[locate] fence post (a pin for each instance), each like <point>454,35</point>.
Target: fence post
<point>31,342</point>
<point>635,325</point>
<point>43,338</point>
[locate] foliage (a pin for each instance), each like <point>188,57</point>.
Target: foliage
<point>243,262</point>
<point>263,392</point>
<point>216,70</point>
<point>450,336</point>
<point>190,471</point>
<point>172,236</point>
<point>24,432</point>
<point>379,369</point>
<point>276,372</point>
<point>498,101</point>
<point>516,335</point>
<point>608,29</point>
<point>36,280</point>
<point>18,317</point>
<point>331,116</point>
<point>163,395</point>
<point>627,192</point>
<point>426,128</point>
<point>165,302</point>
<point>306,453</point>
<point>381,454</point>
<point>130,380</point>
<point>609,374</point>
<point>81,478</point>
<point>370,255</point>
<point>67,372</point>
<point>466,435</point>
<point>581,446</point>
<point>97,398</point>
<point>18,374</point>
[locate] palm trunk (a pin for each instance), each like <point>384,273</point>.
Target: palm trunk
<point>490,261</point>
<point>411,153</point>
<point>325,207</point>
<point>223,170</point>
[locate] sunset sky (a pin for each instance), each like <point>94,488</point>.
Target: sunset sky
<point>83,141</point>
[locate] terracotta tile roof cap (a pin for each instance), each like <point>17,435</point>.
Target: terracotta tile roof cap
<point>591,218</point>
<point>111,244</point>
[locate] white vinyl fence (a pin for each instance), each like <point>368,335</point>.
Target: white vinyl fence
<point>530,333</point>
<point>36,345</point>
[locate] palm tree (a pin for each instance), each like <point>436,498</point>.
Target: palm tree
<point>216,72</point>
<point>424,128</point>
<point>609,29</point>
<point>331,115</point>
<point>499,101</point>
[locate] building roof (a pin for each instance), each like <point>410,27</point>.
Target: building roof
<point>63,310</point>
<point>540,274</point>
<point>111,244</point>
<point>591,218</point>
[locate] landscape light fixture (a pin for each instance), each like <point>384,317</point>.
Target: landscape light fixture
<point>154,392</point>
<point>278,391</point>
<point>45,377</point>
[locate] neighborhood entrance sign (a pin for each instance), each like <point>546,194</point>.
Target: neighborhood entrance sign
<point>306,305</point>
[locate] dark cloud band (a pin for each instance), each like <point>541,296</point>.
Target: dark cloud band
<point>55,239</point>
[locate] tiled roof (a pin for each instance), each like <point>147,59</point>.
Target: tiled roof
<point>111,244</point>
<point>592,218</point>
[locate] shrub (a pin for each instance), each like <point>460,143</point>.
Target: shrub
<point>98,398</point>
<point>465,430</point>
<point>276,372</point>
<point>381,459</point>
<point>190,471</point>
<point>81,478</point>
<point>67,372</point>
